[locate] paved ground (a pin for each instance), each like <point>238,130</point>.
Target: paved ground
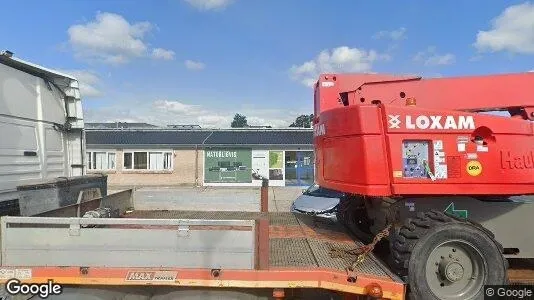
<point>212,198</point>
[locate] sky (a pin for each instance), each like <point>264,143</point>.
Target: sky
<point>202,61</point>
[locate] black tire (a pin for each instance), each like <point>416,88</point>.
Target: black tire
<point>352,214</point>
<point>413,243</point>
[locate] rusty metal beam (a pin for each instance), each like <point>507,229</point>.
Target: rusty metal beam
<point>264,197</point>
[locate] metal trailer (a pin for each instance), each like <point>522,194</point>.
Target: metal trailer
<point>42,144</point>
<point>255,252</point>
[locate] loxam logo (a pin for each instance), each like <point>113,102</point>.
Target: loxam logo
<point>432,122</point>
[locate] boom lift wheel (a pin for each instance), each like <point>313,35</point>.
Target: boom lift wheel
<point>441,257</point>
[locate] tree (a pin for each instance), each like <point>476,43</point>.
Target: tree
<point>303,121</point>
<point>239,121</point>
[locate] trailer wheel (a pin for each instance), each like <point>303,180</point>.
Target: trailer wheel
<point>441,257</point>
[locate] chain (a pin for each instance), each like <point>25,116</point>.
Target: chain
<point>362,251</point>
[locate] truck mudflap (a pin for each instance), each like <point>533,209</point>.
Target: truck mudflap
<point>191,249</point>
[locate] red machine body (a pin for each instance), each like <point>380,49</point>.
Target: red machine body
<point>368,141</point>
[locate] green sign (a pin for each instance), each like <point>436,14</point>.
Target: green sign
<point>276,159</point>
<point>460,213</point>
<point>227,165</point>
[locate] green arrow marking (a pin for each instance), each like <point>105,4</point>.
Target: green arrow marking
<point>460,213</point>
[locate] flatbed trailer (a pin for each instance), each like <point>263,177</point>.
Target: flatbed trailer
<point>246,250</point>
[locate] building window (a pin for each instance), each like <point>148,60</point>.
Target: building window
<point>127,161</point>
<point>101,160</point>
<point>140,160</point>
<point>148,160</point>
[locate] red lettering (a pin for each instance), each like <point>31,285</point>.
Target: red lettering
<point>506,160</point>
<point>529,160</point>
<point>520,161</point>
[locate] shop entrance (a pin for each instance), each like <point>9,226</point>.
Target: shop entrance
<point>299,168</point>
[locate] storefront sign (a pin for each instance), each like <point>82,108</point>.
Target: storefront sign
<point>228,165</point>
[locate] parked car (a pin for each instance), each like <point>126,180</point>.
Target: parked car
<point>317,201</point>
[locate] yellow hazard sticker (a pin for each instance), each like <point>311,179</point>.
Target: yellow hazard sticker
<point>397,174</point>
<point>474,168</point>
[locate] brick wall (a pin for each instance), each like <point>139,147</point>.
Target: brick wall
<point>183,173</point>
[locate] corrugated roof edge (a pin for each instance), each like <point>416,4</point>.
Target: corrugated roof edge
<point>200,130</point>
<point>204,145</point>
<point>206,135</point>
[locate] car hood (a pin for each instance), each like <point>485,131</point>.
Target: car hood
<point>307,203</point>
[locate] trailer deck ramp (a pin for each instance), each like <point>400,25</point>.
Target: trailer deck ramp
<point>215,250</point>
<point>295,240</point>
<point>300,245</point>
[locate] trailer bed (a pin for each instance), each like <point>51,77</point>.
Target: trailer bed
<point>296,241</point>
<point>297,255</point>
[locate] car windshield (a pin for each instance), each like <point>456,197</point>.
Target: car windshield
<point>317,191</point>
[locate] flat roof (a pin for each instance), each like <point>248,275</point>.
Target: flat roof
<point>205,137</point>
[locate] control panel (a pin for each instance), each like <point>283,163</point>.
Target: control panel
<point>415,159</point>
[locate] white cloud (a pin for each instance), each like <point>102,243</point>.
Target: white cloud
<point>436,59</point>
<point>337,60</point>
<point>160,53</point>
<point>177,107</point>
<point>196,114</point>
<point>111,39</point>
<point>166,112</point>
<point>274,122</point>
<point>209,4</point>
<point>476,58</point>
<point>430,57</point>
<point>395,35</point>
<point>194,65</point>
<point>512,31</point>
<point>111,114</point>
<point>88,82</point>
<point>217,121</point>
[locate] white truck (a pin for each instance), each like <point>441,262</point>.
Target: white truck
<point>41,139</point>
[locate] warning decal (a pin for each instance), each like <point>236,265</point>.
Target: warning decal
<point>454,166</point>
<point>20,274</point>
<point>474,168</point>
<point>462,143</point>
<point>440,163</point>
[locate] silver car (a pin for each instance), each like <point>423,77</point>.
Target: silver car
<point>317,201</point>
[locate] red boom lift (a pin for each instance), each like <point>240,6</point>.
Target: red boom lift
<point>423,157</point>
